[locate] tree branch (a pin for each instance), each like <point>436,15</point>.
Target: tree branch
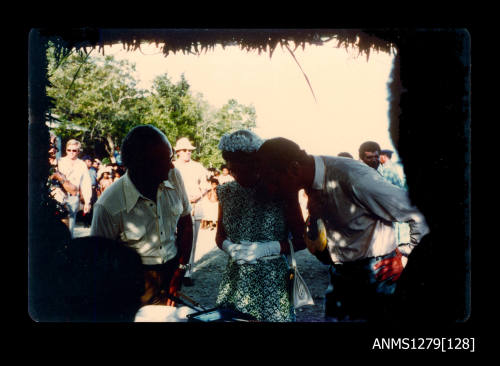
<point>307,79</point>
<point>78,71</point>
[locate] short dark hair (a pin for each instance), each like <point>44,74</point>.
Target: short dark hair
<point>345,155</point>
<point>279,152</point>
<point>368,146</point>
<point>136,142</point>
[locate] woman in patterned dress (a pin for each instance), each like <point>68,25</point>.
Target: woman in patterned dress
<point>252,229</point>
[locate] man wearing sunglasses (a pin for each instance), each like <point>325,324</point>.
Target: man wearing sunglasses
<point>75,170</point>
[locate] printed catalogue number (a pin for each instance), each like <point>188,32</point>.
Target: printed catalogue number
<point>435,344</point>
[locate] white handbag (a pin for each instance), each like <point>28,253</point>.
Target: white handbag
<point>299,292</point>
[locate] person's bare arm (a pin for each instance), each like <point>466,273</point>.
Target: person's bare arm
<point>184,245</point>
<point>184,238</point>
<point>296,225</point>
<point>66,184</point>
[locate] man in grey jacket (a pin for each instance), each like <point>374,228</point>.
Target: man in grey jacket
<point>358,208</point>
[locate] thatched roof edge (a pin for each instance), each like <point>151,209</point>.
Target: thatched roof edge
<point>200,40</point>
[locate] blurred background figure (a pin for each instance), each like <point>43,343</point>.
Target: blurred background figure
<point>59,186</point>
<point>369,153</point>
<point>117,156</point>
<point>225,176</point>
<point>210,204</point>
<point>346,155</point>
<point>392,172</point>
<point>212,173</point>
<point>104,179</point>
<point>96,163</point>
<point>92,170</point>
<point>116,175</point>
<point>76,171</point>
<point>194,176</point>
<point>87,219</point>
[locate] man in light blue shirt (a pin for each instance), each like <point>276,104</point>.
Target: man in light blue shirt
<point>358,208</point>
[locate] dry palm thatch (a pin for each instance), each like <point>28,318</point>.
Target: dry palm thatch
<point>198,41</point>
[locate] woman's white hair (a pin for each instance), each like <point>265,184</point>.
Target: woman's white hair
<point>241,140</point>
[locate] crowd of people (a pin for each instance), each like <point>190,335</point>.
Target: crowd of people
<point>269,195</point>
<point>88,178</point>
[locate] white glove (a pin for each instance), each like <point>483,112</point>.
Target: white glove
<point>229,247</point>
<point>249,252</point>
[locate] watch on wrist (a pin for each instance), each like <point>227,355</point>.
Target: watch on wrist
<point>184,267</point>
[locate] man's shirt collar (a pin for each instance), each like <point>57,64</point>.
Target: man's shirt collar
<point>319,173</point>
<point>132,195</point>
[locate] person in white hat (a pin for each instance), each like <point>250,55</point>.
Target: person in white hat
<point>195,176</point>
<point>104,179</point>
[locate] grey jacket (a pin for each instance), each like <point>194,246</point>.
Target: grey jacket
<point>358,207</point>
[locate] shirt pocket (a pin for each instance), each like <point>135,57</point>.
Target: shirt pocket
<point>175,208</point>
<point>174,204</point>
<point>133,232</point>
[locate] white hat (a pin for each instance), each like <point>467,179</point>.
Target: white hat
<point>105,169</point>
<point>184,143</point>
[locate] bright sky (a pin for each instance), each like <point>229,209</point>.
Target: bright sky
<point>352,93</point>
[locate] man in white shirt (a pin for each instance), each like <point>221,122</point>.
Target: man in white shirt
<point>148,210</point>
<point>358,208</point>
<point>195,177</point>
<point>76,171</point>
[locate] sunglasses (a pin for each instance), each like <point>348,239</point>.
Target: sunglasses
<point>70,150</point>
<point>185,150</point>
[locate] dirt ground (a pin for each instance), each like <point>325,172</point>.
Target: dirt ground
<point>210,263</point>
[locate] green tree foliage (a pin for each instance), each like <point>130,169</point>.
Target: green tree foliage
<point>231,117</point>
<point>101,95</point>
<point>172,108</point>
<point>98,94</point>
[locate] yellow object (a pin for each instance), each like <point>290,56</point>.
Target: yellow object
<point>315,236</point>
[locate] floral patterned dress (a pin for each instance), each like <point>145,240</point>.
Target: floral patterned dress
<point>261,289</point>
